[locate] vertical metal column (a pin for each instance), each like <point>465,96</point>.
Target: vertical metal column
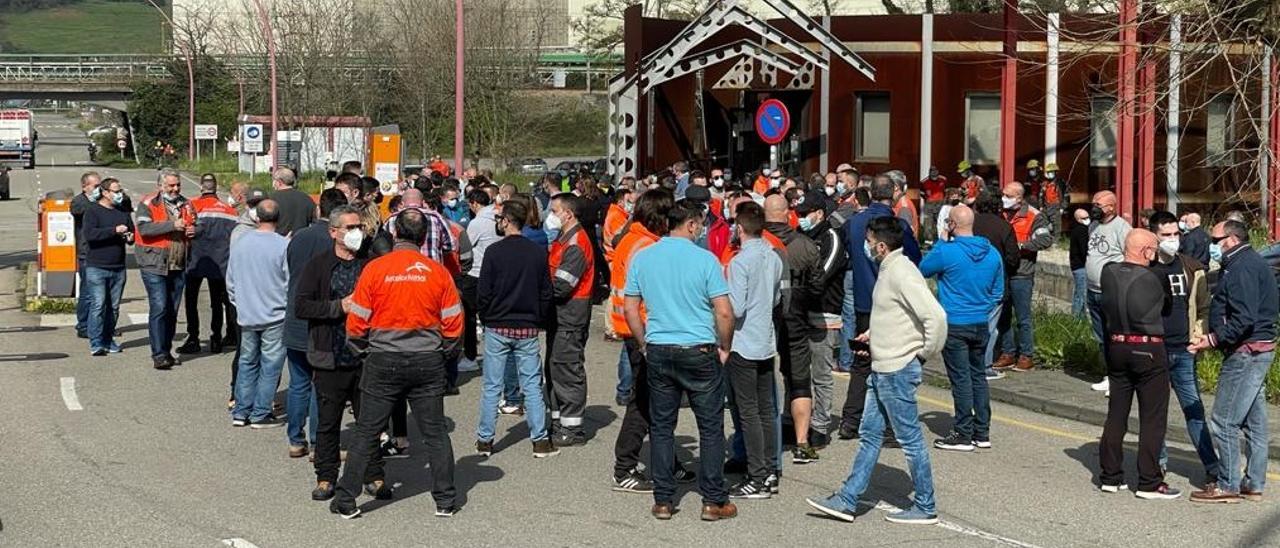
<point>1272,197</point>
<point>926,95</point>
<point>1264,148</point>
<point>1008,96</point>
<point>1147,137</point>
<point>1173,130</point>
<point>1125,98</point>
<point>1051,91</point>
<point>824,107</point>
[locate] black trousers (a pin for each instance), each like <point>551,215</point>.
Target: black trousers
<point>635,422</point>
<point>1142,369</point>
<point>219,305</point>
<point>856,397</point>
<point>334,388</point>
<point>467,289</point>
<point>419,377</point>
<point>752,385</point>
<point>795,355</point>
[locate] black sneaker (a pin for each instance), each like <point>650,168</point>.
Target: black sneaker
<point>161,363</point>
<point>347,510</point>
<point>173,360</point>
<point>568,437</point>
<point>749,489</point>
<point>231,340</point>
<point>545,448</point>
<point>269,421</point>
<point>238,422</point>
<point>447,512</point>
<point>451,391</point>
<point>953,442</point>
<point>818,440</point>
<point>215,346</point>
<point>484,448</point>
<point>632,482</point>
<point>323,491</point>
<point>379,489</point>
<point>847,432</point>
<point>735,466</point>
<point>98,352</point>
<point>684,475</point>
<point>773,481</point>
<point>392,451</point>
<point>804,454</point>
<point>192,346</point>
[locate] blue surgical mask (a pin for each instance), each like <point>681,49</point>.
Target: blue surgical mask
<point>1215,252</point>
<point>118,198</point>
<point>866,248</point>
<point>805,224</point>
<point>1182,225</point>
<point>840,188</point>
<point>96,194</point>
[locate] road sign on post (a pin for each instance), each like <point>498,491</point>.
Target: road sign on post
<point>773,121</point>
<point>252,139</point>
<point>206,132</point>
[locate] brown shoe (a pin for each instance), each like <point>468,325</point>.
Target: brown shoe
<point>1213,494</point>
<point>297,451</point>
<point>1251,495</point>
<point>663,510</point>
<point>712,512</point>
<point>1024,364</point>
<point>1005,361</point>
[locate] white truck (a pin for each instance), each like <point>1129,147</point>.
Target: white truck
<point>17,138</point>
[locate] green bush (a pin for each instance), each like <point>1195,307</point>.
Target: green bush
<point>1065,341</point>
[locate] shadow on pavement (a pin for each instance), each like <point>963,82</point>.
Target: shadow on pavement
<point>937,422</point>
<point>468,472</point>
<point>33,357</point>
<point>1182,463</point>
<point>889,485</point>
<point>24,329</point>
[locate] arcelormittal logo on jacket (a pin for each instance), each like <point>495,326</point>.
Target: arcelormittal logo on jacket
<point>415,272</point>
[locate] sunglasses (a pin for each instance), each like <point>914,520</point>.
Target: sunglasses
<point>353,227</point>
<point>1216,239</point>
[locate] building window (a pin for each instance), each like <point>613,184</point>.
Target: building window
<point>982,128</point>
<point>1102,131</point>
<point>1217,131</point>
<point>872,132</point>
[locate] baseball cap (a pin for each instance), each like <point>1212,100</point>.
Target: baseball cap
<point>697,193</point>
<point>253,197</point>
<point>810,202</point>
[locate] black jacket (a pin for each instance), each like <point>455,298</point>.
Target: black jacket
<point>1195,244</point>
<point>1000,233</point>
<point>833,262</point>
<point>1245,302</point>
<point>306,244</point>
<point>1079,250</point>
<point>515,287</point>
<point>323,315</point>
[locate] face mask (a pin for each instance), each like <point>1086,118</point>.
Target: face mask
<point>866,249</point>
<point>1085,221</point>
<point>95,194</point>
<point>831,191</point>
<point>253,214</point>
<point>1050,175</point>
<point>452,203</point>
<point>805,224</point>
<point>702,233</point>
<point>1182,226</point>
<point>718,182</point>
<point>1009,203</point>
<point>1215,252</point>
<point>628,206</point>
<point>954,202</point>
<point>1169,248</point>
<point>171,198</point>
<point>933,175</point>
<point>553,223</point>
<point>1095,213</point>
<point>774,182</point>
<point>117,198</point>
<point>353,239</point>
<point>841,188</point>
<point>1032,174</point>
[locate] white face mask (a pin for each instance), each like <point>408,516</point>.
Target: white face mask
<point>774,182</point>
<point>718,182</point>
<point>253,214</point>
<point>553,222</point>
<point>1169,248</point>
<point>353,239</point>
<point>452,203</point>
<point>1085,221</point>
<point>1009,203</point>
<point>831,191</point>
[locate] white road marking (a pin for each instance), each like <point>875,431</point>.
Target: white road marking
<point>238,543</point>
<point>137,318</point>
<point>955,527</point>
<point>69,396</point>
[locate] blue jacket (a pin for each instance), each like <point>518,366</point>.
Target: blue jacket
<point>1245,302</point>
<point>460,214</point>
<point>970,278</point>
<point>865,271</point>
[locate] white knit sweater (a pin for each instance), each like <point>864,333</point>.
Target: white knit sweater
<point>906,319</point>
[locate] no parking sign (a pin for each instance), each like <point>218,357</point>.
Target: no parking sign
<point>773,121</point>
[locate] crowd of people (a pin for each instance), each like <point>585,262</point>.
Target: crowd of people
<point>379,295</point>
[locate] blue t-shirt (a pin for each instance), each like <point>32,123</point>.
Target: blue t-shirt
<point>677,281</point>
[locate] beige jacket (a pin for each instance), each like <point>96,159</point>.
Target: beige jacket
<point>1198,300</point>
<point>906,320</point>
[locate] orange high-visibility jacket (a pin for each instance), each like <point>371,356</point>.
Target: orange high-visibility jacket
<point>404,302</point>
<point>637,237</point>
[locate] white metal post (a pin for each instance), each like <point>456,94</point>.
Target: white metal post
<point>824,107</point>
<point>1051,92</point>
<point>926,95</point>
<point>1173,135</point>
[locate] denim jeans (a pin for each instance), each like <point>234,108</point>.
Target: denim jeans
<point>1097,320</point>
<point>300,406</point>
<point>164,292</point>
<point>103,288</point>
<point>676,371</point>
<point>849,323</point>
<point>1182,376</point>
<point>1241,405</point>
<point>497,350</point>
<point>892,394</point>
<point>1078,292</point>
<point>993,332</point>
<point>261,360</point>
<point>625,382</point>
<point>511,394</point>
<point>82,300</point>
<point>1020,305</point>
<point>967,373</point>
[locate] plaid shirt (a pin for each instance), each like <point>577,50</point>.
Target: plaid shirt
<point>439,240</point>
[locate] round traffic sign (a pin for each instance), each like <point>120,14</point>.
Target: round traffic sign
<point>773,121</point>
<point>253,132</point>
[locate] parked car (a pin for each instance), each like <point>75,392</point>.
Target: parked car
<point>528,166</point>
<point>102,130</point>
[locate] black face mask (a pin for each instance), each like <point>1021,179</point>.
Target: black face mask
<point>1096,213</point>
<point>954,203</point>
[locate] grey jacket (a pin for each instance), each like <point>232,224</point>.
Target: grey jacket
<point>156,259</point>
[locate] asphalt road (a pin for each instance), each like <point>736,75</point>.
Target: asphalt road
<point>148,458</point>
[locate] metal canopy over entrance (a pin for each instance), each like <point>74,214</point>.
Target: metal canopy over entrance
<point>676,58</point>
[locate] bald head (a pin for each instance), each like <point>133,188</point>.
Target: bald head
<point>961,220</point>
<point>775,209</point>
<point>1193,220</point>
<point>411,198</point>
<point>1105,201</point>
<point>1081,215</point>
<point>1015,190</point>
<point>1140,246</point>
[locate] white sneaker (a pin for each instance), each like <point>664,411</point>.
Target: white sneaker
<point>467,366</point>
<point>1113,488</point>
<point>1103,386</point>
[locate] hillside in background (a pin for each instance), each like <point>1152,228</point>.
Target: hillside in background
<point>81,26</point>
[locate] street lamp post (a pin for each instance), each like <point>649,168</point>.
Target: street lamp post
<point>264,20</point>
<point>191,83</point>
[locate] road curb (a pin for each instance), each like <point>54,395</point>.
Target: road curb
<point>1176,431</point>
